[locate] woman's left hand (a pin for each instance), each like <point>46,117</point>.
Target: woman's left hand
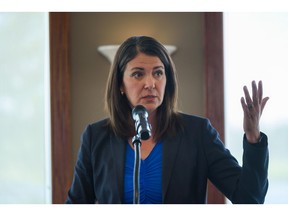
<point>253,108</point>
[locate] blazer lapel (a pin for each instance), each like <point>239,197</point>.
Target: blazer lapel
<point>118,148</point>
<point>170,153</point>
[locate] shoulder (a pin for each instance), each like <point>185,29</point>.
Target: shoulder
<point>102,124</point>
<point>193,124</point>
<point>189,119</point>
<point>97,129</point>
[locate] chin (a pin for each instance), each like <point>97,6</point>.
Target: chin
<point>150,107</point>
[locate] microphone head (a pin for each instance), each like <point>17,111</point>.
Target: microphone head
<point>145,135</point>
<point>139,110</point>
<point>142,126</point>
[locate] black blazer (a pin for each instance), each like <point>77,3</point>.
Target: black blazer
<point>195,155</point>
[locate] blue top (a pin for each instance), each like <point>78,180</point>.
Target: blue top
<point>150,176</point>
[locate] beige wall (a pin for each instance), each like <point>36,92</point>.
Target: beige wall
<point>90,69</point>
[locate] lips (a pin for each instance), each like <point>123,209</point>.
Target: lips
<point>149,96</point>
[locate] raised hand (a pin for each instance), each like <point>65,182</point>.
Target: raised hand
<point>253,108</point>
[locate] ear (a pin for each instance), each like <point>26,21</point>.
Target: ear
<point>122,90</point>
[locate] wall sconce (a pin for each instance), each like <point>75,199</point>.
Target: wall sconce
<point>109,51</point>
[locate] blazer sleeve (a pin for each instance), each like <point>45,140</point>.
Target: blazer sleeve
<point>246,184</point>
<point>82,191</point>
<point>253,184</point>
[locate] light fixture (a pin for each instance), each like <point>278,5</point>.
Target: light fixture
<point>109,51</point>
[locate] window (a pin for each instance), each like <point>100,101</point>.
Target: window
<point>24,108</point>
<point>256,49</point>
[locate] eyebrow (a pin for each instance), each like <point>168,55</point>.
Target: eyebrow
<point>140,68</point>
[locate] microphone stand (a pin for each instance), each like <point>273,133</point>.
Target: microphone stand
<point>136,175</point>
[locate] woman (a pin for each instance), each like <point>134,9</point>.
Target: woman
<point>183,150</point>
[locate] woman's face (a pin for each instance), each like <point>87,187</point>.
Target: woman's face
<point>144,81</point>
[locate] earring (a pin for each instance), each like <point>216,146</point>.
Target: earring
<point>122,93</point>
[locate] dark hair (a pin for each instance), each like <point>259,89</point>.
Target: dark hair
<point>117,104</point>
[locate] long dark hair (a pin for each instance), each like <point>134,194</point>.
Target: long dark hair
<point>117,105</point>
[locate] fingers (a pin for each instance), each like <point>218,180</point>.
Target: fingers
<point>255,94</point>
<point>253,107</point>
<point>264,101</point>
<point>260,93</point>
<point>244,106</point>
<point>260,90</point>
<point>257,100</point>
<point>248,99</point>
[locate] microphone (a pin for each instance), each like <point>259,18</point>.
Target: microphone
<point>140,116</point>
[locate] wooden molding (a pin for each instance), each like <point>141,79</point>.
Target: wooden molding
<point>60,79</point>
<point>214,83</point>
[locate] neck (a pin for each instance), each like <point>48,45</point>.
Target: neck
<point>152,120</point>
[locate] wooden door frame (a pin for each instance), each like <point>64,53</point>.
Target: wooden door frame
<point>214,83</point>
<point>60,85</point>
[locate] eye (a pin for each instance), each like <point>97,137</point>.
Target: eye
<point>137,74</point>
<point>158,73</point>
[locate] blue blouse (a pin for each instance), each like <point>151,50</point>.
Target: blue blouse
<point>150,176</point>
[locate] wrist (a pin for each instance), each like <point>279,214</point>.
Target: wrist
<point>253,138</point>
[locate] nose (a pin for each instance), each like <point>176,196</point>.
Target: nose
<point>149,82</point>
